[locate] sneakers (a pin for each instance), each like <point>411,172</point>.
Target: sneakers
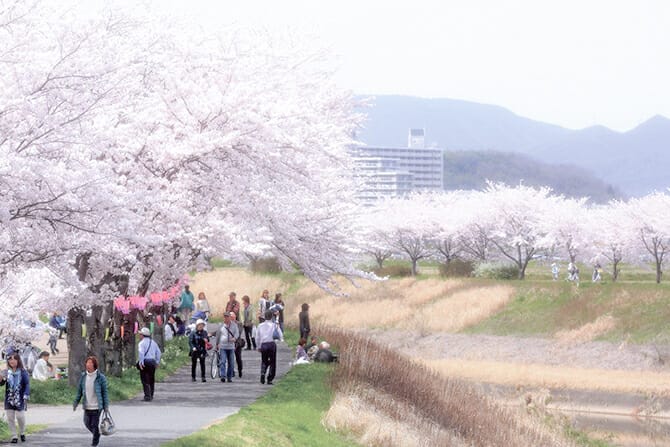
<point>14,440</point>
<point>263,379</point>
<point>23,438</point>
<point>269,382</point>
<point>240,374</point>
<point>223,379</point>
<point>203,380</point>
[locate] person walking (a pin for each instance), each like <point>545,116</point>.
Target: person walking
<point>93,389</point>
<point>186,303</point>
<point>233,305</point>
<point>248,322</point>
<point>149,359</point>
<point>303,320</point>
<point>197,342</point>
<point>264,304</point>
<point>225,344</point>
<point>267,347</point>
<point>17,393</point>
<point>279,304</point>
<point>239,343</point>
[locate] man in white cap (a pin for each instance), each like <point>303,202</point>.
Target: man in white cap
<point>149,359</point>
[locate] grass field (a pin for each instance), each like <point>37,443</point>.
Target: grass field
<point>288,415</point>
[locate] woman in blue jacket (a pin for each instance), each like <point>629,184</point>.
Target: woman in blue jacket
<point>17,392</point>
<point>93,388</point>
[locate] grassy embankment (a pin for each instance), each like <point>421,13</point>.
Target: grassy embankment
<point>288,415</point>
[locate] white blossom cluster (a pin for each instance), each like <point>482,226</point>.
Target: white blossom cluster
<point>134,147</point>
<point>517,224</point>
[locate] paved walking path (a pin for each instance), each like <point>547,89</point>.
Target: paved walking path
<point>180,407</point>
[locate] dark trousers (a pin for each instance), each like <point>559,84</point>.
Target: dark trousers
<point>148,378</point>
<point>238,360</point>
<point>269,359</point>
<point>194,361</point>
<point>92,422</point>
<point>251,341</point>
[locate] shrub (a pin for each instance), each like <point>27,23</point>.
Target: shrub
<point>496,270</point>
<point>265,265</point>
<point>457,268</point>
<point>394,271</point>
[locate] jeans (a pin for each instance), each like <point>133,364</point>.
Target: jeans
<point>269,359</point>
<point>92,422</point>
<point>227,367</point>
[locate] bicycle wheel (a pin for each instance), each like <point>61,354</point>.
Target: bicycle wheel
<point>214,364</point>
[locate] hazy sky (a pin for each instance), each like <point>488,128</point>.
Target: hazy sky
<point>572,63</point>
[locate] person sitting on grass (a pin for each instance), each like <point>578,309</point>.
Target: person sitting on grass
<point>324,354</point>
<point>300,353</point>
<point>43,370</point>
<point>313,348</point>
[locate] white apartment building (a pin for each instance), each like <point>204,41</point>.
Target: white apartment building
<point>396,171</point>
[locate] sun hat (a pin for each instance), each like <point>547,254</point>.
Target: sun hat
<point>146,332</point>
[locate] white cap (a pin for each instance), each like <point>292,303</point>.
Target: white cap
<point>200,321</point>
<point>145,331</point>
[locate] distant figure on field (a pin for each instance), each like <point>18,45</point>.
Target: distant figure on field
<point>303,320</point>
<point>233,305</point>
<point>573,272</point>
<point>186,303</point>
<point>555,270</point>
<point>596,273</point>
<point>180,325</point>
<point>324,354</point>
<point>170,328</point>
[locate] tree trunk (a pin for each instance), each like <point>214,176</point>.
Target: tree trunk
<point>659,272</point>
<point>95,333</point>
<point>615,271</point>
<point>76,345</point>
<point>113,356</point>
<point>414,267</point>
<point>128,343</point>
<point>380,262</point>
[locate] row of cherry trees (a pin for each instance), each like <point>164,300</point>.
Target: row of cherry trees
<point>134,147</point>
<point>514,224</point>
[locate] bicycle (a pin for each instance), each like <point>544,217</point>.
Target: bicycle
<point>215,364</point>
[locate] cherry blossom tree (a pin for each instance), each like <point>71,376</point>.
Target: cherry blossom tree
<point>516,215</point>
<point>647,217</point>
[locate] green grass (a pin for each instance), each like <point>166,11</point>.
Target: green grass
<point>288,415</point>
<point>542,308</point>
<point>30,428</point>
<point>56,392</point>
<point>584,440</point>
<point>218,263</point>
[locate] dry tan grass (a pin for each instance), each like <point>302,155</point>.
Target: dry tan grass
<point>587,332</point>
<point>450,404</point>
<point>535,375</point>
<point>359,413</point>
<point>218,284</point>
<point>460,310</point>
<point>374,304</point>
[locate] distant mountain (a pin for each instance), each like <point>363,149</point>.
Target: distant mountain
<point>471,170</point>
<point>637,161</point>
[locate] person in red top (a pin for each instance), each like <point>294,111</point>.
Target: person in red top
<point>233,305</point>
